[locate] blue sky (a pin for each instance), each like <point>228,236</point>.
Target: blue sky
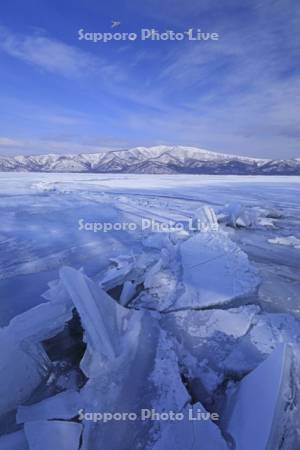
<point>239,94</point>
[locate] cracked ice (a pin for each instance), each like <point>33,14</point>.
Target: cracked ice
<point>184,322</point>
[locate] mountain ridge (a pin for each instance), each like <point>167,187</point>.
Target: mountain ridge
<point>157,159</point>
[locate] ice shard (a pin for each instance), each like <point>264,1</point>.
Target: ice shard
<point>52,435</point>
<point>14,441</point>
<point>189,433</point>
<point>98,312</point>
<point>147,378</point>
<point>262,404</point>
<point>22,373</point>
<point>215,271</point>
<point>64,405</point>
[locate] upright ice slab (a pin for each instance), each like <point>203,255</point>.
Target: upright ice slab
<point>262,405</point>
<point>107,325</point>
<point>96,311</point>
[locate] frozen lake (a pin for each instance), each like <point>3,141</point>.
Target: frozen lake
<point>172,294</point>
<point>40,216</point>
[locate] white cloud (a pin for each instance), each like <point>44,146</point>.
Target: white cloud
<point>8,142</point>
<point>50,54</point>
<point>13,146</point>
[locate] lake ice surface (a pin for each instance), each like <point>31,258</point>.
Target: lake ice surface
<point>179,320</point>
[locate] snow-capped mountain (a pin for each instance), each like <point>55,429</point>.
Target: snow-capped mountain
<point>158,159</point>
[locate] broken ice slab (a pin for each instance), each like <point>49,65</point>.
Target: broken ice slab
<point>160,278</point>
<point>269,212</point>
<point>24,363</point>
<point>40,323</point>
<point>215,345</point>
<point>195,326</point>
<point>126,268</point>
<point>116,276</point>
<point>14,441</point>
<point>64,405</point>
<point>57,293</point>
<point>147,378</point>
<point>104,320</point>
<point>134,348</point>
<point>237,215</point>
<point>269,330</point>
<point>158,241</point>
<point>261,405</point>
<point>53,435</point>
<point>128,292</point>
<point>189,433</point>
<point>205,219</point>
<point>160,287</point>
<point>205,340</point>
<point>23,366</point>
<point>122,346</point>
<point>215,271</point>
<point>97,312</point>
